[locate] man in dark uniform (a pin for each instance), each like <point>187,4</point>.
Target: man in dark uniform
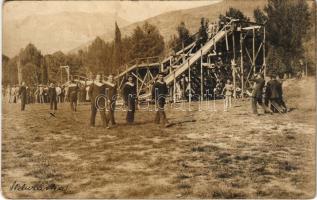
<point>159,92</point>
<point>23,96</point>
<point>97,94</point>
<point>53,97</point>
<point>281,100</point>
<point>112,97</point>
<point>267,93</point>
<point>73,91</point>
<point>257,94</point>
<point>276,91</point>
<point>129,95</point>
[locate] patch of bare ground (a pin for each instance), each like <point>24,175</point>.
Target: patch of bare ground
<point>206,154</point>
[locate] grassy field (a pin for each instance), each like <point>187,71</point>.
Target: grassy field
<point>206,154</point>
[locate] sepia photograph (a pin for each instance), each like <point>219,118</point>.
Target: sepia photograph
<point>201,99</point>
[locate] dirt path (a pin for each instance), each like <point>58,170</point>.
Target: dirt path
<point>209,155</point>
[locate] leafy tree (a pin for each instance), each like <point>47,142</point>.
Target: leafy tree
<point>98,56</point>
<point>147,41</point>
<point>53,63</point>
<point>182,39</point>
<point>30,61</point>
<point>9,70</point>
<point>287,25</point>
<point>5,70</point>
<point>30,74</point>
<point>232,13</point>
<point>259,16</point>
<point>203,36</point>
<point>183,34</point>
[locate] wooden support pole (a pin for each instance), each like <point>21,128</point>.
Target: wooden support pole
<point>161,65</point>
<point>189,86</point>
<point>234,46</point>
<point>201,76</point>
<point>137,83</point>
<point>241,64</point>
<point>253,51</point>
<point>215,45</point>
<point>68,75</point>
<point>183,53</point>
<point>264,60</point>
<point>234,66</point>
<point>174,88</point>
<point>227,45</point>
<point>306,74</point>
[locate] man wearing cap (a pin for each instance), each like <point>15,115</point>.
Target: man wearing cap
<point>281,100</point>
<point>257,94</point>
<point>97,94</point>
<point>23,95</point>
<point>53,97</point>
<point>275,95</point>
<point>73,90</point>
<point>112,97</point>
<point>129,96</point>
<point>159,92</point>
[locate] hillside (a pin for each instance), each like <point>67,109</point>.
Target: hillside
<point>167,22</point>
<point>53,32</point>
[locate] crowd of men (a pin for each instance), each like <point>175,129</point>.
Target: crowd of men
<point>272,93</point>
<point>102,95</point>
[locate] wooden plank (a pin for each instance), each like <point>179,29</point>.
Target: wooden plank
<point>196,56</point>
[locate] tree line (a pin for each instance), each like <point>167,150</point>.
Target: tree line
<point>289,25</point>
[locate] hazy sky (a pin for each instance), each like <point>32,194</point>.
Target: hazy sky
<point>129,10</point>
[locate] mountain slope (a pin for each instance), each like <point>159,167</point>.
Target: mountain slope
<point>167,22</point>
<point>63,31</point>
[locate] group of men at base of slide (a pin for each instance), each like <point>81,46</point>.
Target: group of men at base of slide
<point>272,93</point>
<point>267,94</point>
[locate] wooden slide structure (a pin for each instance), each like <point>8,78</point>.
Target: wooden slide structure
<point>188,69</point>
<point>175,65</point>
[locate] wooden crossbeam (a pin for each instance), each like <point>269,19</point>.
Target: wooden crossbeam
<point>142,82</point>
<point>136,76</point>
<point>248,54</point>
<point>251,27</point>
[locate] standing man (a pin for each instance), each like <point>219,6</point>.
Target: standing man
<point>112,97</point>
<point>281,100</point>
<point>73,90</point>
<point>257,94</point>
<point>41,94</point>
<point>23,96</point>
<point>129,96</point>
<point>53,97</point>
<point>97,92</point>
<point>58,93</point>
<point>8,94</point>
<point>159,93</point>
<point>276,90</point>
<point>267,93</point>
<point>228,95</point>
